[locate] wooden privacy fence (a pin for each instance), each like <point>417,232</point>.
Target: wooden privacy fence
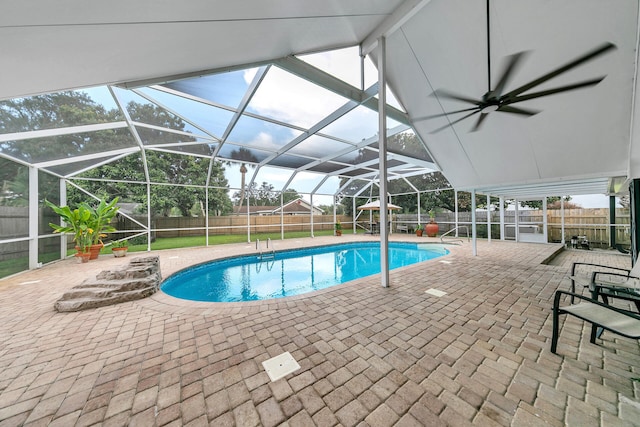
<point>236,224</point>
<point>14,223</point>
<point>592,223</point>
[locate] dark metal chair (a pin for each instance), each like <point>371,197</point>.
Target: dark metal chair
<point>600,315</point>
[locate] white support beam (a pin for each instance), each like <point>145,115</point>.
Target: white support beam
<point>488,218</point>
<point>545,220</point>
<point>49,133</point>
<point>382,151</point>
<point>474,228</point>
<point>341,111</point>
<point>562,219</point>
<point>281,215</point>
<point>63,202</point>
<point>392,23</point>
<point>455,209</point>
<point>76,159</point>
<point>353,214</point>
<point>323,79</point>
<point>206,215</point>
<point>34,220</point>
<point>502,230</point>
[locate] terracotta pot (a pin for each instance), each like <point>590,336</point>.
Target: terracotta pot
<point>419,233</point>
<point>432,229</point>
<point>338,232</point>
<point>119,252</point>
<point>82,257</point>
<point>94,250</point>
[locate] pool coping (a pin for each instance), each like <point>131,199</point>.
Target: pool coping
<point>163,301</point>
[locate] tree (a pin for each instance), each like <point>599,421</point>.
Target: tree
<point>57,110</point>
<point>244,155</point>
<point>72,108</point>
<point>265,195</point>
<point>551,203</point>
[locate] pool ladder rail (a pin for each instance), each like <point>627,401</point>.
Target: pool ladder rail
<point>455,239</point>
<point>266,255</point>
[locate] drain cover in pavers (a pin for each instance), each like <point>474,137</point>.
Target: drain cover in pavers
<point>435,292</point>
<point>280,366</point>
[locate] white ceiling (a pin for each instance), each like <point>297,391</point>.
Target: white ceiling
<point>581,135</point>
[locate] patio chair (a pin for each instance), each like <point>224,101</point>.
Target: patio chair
<point>586,274</point>
<point>615,285</point>
<point>600,315</point>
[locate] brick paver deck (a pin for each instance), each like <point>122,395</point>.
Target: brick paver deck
<point>369,355</point>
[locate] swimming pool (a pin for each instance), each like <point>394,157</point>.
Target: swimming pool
<point>291,272</point>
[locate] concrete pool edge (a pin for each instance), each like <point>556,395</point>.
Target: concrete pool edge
<point>291,272</point>
<point>164,301</point>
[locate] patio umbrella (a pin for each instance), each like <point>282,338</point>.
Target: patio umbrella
<point>375,206</point>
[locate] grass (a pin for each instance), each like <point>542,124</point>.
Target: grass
<point>12,266</point>
<point>193,241</point>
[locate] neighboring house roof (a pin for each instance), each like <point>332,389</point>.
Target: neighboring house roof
<point>294,207</point>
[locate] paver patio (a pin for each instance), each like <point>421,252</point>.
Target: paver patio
<point>478,355</point>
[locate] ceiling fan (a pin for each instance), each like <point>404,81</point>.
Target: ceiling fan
<point>495,100</point>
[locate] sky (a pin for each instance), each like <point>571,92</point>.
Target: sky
<point>285,97</point>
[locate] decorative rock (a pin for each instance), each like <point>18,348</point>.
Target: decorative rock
<point>139,279</point>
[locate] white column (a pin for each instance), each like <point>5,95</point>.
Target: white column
<point>455,209</point>
<point>33,217</point>
<point>281,216</point>
<point>382,149</point>
<point>148,216</point>
<point>248,222</point>
<point>488,218</point>
<point>206,215</point>
<point>63,202</point>
<point>474,249</point>
<point>353,214</point>
<point>418,208</point>
<point>334,215</point>
<point>562,218</point>
<point>502,231</point>
<point>517,223</point>
<point>544,219</point>
<point>311,198</point>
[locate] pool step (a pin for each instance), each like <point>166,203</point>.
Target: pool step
<point>267,256</point>
<point>137,280</point>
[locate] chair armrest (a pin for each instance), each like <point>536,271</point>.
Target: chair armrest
<point>595,274</point>
<point>559,293</point>
<point>575,264</point>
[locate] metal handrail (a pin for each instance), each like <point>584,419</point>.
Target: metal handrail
<point>454,229</point>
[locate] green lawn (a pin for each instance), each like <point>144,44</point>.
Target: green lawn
<point>188,242</point>
<point>16,265</point>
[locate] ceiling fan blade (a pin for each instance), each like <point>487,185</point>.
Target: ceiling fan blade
<point>440,93</point>
<point>584,58</point>
<point>566,88</point>
<point>514,110</point>
<point>454,122</point>
<point>481,119</point>
<point>420,119</point>
<point>512,65</point>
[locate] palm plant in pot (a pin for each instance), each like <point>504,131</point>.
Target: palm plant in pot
<point>338,228</point>
<point>86,223</point>
<point>100,223</point>
<point>419,230</point>
<point>76,222</point>
<point>84,243</point>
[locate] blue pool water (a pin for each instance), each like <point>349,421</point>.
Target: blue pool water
<point>293,272</point>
